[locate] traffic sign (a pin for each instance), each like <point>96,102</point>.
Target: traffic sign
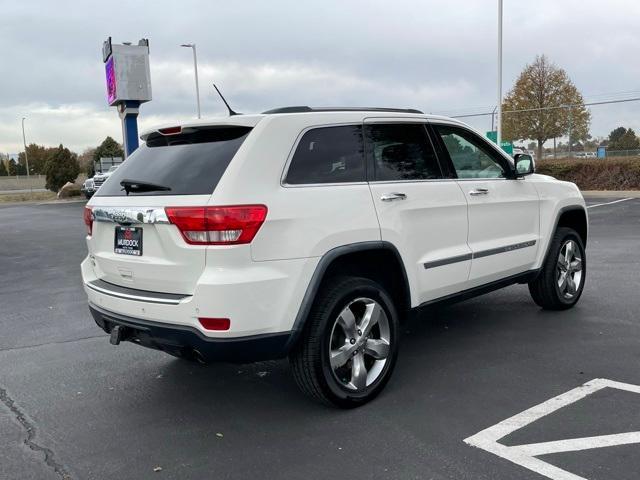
<point>506,146</point>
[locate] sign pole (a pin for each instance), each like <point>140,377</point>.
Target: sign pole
<point>499,119</point>
<point>128,112</point>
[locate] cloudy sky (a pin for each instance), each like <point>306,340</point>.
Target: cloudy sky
<point>436,56</point>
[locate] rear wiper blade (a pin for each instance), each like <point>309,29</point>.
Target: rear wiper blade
<point>139,186</point>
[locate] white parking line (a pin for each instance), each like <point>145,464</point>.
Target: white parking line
<point>609,203</point>
<point>524,455</point>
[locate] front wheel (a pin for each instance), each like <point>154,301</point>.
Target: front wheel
<point>561,280</point>
<point>350,343</point>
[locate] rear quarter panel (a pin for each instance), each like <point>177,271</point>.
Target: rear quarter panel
<point>302,221</point>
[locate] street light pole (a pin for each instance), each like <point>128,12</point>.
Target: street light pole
<point>24,141</point>
<point>195,67</point>
<point>499,119</point>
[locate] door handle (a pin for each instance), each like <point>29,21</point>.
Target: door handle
<point>389,197</point>
<point>479,191</point>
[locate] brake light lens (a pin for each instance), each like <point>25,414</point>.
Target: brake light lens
<point>88,219</point>
<point>215,323</point>
<point>170,130</point>
<point>228,225</point>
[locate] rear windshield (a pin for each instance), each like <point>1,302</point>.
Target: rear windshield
<point>190,163</point>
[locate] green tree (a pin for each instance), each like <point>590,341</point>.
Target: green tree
<point>61,167</point>
<point>85,160</point>
<point>560,106</point>
<point>37,155</point>
<point>3,169</point>
<point>623,139</point>
<point>616,134</point>
<point>108,148</point>
<point>12,168</point>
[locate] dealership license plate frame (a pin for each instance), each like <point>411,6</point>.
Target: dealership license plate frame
<point>134,250</point>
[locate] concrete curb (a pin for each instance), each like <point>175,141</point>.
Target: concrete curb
<point>40,202</point>
<point>611,193</point>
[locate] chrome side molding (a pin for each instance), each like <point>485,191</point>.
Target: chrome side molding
<point>484,253</point>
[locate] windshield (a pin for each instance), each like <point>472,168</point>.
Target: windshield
<point>189,163</point>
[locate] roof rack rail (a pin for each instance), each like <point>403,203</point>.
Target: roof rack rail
<point>304,108</point>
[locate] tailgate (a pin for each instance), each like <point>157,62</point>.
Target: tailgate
<point>136,247</point>
<point>132,242</point>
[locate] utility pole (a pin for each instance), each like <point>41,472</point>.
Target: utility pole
<point>570,126</point>
<point>499,127</point>
<point>493,118</point>
<point>195,67</point>
<point>24,141</point>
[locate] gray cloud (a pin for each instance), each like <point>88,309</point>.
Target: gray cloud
<point>436,56</point>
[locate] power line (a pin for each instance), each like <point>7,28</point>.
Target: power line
<point>605,102</point>
<point>612,96</point>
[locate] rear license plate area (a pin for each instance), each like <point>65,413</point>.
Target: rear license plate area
<point>128,241</point>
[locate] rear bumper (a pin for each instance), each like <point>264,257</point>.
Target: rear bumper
<point>259,298</point>
<point>186,340</point>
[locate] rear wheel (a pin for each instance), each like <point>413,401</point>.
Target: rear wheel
<point>561,281</point>
<point>349,347</point>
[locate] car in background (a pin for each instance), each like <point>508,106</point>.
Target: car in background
<point>100,178</point>
<point>88,188</point>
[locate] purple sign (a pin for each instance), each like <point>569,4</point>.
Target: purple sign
<point>111,81</point>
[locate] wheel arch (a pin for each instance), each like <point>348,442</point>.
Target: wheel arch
<point>572,216</point>
<point>575,218</point>
<point>366,259</point>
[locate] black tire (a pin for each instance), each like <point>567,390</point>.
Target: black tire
<point>310,358</point>
<point>545,290</point>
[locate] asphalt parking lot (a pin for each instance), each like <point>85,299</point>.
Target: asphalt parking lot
<point>73,405</point>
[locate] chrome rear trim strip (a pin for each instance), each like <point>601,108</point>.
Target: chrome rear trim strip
<point>134,294</point>
<point>130,215</point>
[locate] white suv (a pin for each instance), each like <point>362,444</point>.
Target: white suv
<point>311,233</point>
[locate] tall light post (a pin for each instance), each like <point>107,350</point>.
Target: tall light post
<point>195,67</point>
<point>499,119</point>
<point>24,141</point>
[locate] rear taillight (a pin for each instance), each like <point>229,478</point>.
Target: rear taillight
<point>88,219</point>
<point>229,225</point>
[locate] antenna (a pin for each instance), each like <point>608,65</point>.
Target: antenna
<point>231,112</point>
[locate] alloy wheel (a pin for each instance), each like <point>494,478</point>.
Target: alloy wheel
<point>569,269</point>
<point>359,344</point>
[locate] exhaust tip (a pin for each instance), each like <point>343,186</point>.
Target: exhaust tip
<point>198,357</point>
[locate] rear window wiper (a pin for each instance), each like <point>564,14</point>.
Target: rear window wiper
<point>139,186</point>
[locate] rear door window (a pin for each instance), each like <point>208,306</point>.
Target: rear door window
<point>189,163</point>
<point>401,151</point>
<point>328,155</point>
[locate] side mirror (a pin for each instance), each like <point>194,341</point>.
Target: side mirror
<point>524,164</point>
